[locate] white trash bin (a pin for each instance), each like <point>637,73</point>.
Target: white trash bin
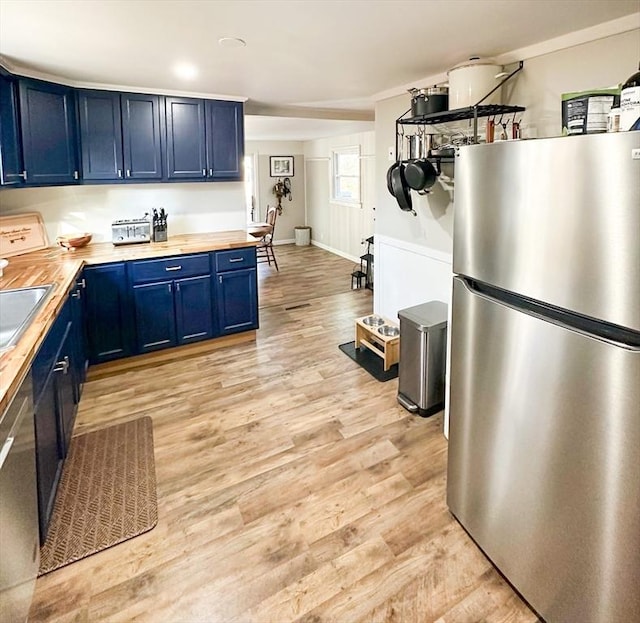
<point>303,236</point>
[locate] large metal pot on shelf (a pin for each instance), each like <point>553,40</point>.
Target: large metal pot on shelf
<point>471,80</point>
<point>429,100</point>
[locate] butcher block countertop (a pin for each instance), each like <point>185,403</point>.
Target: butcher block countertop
<point>57,266</point>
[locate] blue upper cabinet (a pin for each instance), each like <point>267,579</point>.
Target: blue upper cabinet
<point>11,169</point>
<point>141,136</point>
<point>225,140</point>
<point>100,135</point>
<point>186,145</point>
<point>48,131</point>
<point>205,139</point>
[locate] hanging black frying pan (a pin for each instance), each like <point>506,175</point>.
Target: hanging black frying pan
<point>389,172</point>
<point>400,189</point>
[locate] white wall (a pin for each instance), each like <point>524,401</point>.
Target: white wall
<point>293,212</point>
<point>418,245</point>
<point>340,228</point>
<point>192,208</point>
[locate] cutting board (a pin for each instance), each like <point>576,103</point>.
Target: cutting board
<point>22,233</point>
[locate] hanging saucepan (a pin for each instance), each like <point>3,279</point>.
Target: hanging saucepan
<point>429,100</point>
<point>420,175</point>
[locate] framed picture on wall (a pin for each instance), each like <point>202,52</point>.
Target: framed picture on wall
<point>281,166</point>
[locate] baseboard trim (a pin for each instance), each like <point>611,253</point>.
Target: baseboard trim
<point>160,357</point>
<point>346,256</point>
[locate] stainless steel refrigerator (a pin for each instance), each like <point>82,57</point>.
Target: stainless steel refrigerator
<point>544,439</point>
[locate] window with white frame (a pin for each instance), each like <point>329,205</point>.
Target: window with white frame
<point>346,175</point>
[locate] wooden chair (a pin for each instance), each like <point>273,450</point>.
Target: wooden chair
<point>264,250</point>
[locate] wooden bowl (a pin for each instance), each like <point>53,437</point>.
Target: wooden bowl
<point>73,241</point>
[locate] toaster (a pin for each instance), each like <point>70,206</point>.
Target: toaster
<point>130,231</point>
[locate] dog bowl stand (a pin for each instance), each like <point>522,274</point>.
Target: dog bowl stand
<point>386,347</point>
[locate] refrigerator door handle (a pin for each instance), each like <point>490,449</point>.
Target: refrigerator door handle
<point>591,327</point>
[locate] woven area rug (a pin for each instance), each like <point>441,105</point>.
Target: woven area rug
<point>370,362</point>
<point>107,493</point>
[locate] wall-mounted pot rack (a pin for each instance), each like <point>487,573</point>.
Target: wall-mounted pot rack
<point>460,114</point>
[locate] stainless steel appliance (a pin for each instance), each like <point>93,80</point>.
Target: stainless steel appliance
<point>19,538</point>
<point>544,448</point>
<point>131,231</point>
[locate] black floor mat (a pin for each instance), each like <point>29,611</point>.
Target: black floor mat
<point>370,362</point>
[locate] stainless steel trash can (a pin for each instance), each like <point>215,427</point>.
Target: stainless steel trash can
<point>423,344</point>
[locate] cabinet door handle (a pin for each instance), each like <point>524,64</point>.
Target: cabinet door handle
<point>169,287</point>
<point>23,175</point>
<point>128,172</point>
<point>62,366</point>
<point>170,268</point>
<point>204,173</point>
<point>210,172</point>
<point>177,287</point>
<point>233,260</point>
<point>82,283</point>
<point>76,175</point>
<point>119,172</point>
<point>76,294</point>
<point>220,278</point>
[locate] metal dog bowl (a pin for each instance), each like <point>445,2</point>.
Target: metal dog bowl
<point>373,321</point>
<point>388,331</point>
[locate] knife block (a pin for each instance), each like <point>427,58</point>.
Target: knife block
<point>159,235</point>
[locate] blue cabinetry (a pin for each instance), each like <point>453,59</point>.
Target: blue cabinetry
<point>100,135</point>
<point>172,299</point>
<point>236,290</point>
<point>194,309</point>
<point>155,318</point>
<point>141,136</point>
<point>11,169</point>
<point>186,144</point>
<point>48,133</point>
<point>55,407</point>
<point>120,136</point>
<point>205,139</point>
<point>225,140</point>
<point>108,312</point>
<point>80,360</point>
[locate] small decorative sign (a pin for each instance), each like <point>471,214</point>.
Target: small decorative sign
<point>281,166</point>
<point>21,233</point>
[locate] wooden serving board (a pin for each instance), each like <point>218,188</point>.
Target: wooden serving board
<point>22,233</point>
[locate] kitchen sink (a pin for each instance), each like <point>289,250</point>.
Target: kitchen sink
<point>17,309</point>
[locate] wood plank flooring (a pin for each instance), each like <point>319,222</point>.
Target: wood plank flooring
<point>291,485</point>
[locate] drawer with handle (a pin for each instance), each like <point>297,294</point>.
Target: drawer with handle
<point>235,259</point>
<point>169,268</point>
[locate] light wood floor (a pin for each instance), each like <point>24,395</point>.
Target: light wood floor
<point>291,485</point>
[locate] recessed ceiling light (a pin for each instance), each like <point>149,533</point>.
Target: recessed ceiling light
<point>186,71</point>
<point>232,42</point>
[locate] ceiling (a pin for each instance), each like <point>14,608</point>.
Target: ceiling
<point>328,54</point>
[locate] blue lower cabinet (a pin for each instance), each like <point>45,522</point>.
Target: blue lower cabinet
<point>194,314</point>
<point>49,454</point>
<point>173,312</point>
<point>155,317</point>
<point>108,312</point>
<point>237,300</point>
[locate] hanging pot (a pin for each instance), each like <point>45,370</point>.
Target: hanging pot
<point>471,80</point>
<point>429,100</point>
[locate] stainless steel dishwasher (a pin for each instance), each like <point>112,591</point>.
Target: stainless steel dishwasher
<point>19,540</point>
